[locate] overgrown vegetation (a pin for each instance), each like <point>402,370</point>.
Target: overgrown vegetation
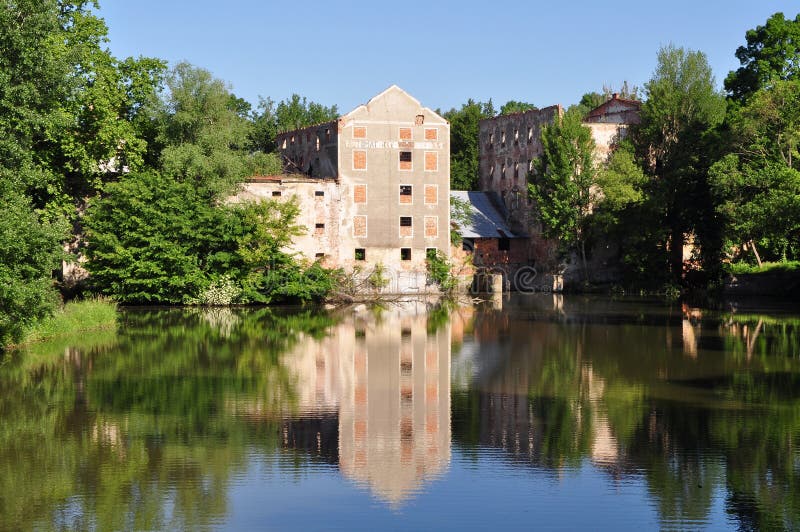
<point>439,271</point>
<point>75,317</point>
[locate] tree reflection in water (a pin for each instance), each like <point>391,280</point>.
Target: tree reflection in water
<point>150,426</point>
<point>557,384</point>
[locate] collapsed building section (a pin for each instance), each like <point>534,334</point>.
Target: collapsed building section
<point>509,145</point>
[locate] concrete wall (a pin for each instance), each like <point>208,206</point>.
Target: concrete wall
<point>314,209</point>
<point>389,142</point>
<point>371,140</point>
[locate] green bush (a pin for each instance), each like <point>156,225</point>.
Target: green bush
<point>740,268</point>
<point>29,252</point>
<point>153,239</point>
<point>439,271</point>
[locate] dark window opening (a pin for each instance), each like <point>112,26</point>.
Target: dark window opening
<point>319,226</point>
<point>405,190</point>
<point>319,193</point>
<point>405,332</point>
<point>405,221</point>
<point>320,256</point>
<point>405,156</point>
<point>504,244</point>
<point>405,253</point>
<point>361,254</point>
<point>276,193</point>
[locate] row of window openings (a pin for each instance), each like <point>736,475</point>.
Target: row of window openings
<point>405,253</point>
<point>405,221</point>
<point>405,162</point>
<point>516,170</point>
<point>317,193</point>
<point>299,139</point>
<point>516,137</point>
<point>406,192</point>
<point>406,227</point>
<point>405,332</point>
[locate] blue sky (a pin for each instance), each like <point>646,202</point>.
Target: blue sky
<point>344,52</point>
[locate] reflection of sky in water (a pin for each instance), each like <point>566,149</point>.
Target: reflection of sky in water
<point>477,493</point>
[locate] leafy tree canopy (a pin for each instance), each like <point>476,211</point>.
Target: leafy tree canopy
<point>563,179</point>
<point>682,107</point>
<point>464,142</point>
<point>513,106</point>
<point>772,53</point>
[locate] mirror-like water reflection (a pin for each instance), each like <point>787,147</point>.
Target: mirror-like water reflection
<point>555,411</point>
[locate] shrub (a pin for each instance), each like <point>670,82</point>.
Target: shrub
<point>439,271</point>
<point>29,252</point>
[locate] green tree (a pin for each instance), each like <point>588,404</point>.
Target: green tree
<point>205,138</point>
<point>563,179</point>
<point>152,239</point>
<point>682,107</point>
<point>772,53</point>
<point>29,252</point>
<point>621,185</point>
<point>464,142</point>
<point>513,106</point>
<point>757,185</point>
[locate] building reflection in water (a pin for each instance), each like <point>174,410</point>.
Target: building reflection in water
<point>374,396</point>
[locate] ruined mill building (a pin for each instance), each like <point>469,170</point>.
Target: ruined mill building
<point>373,187</point>
<point>508,146</point>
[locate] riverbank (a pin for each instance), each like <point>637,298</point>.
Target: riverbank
<point>74,317</point>
<point>772,279</point>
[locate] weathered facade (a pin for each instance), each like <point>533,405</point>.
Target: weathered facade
<point>380,178</point>
<point>610,123</point>
<point>508,146</point>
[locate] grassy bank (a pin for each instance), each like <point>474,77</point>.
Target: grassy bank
<point>742,268</point>
<point>74,317</point>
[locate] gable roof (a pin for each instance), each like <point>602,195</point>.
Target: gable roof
<point>622,107</point>
<point>486,221</point>
<point>392,90</point>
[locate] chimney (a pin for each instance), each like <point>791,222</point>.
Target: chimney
<point>614,96</point>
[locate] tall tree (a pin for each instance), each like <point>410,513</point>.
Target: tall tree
<point>772,53</point>
<point>682,106</point>
<point>563,179</point>
<point>205,138</point>
<point>757,185</point>
<point>464,151</point>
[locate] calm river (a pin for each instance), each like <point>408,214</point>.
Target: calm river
<point>552,413</point>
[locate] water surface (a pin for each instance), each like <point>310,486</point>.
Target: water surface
<point>553,413</point>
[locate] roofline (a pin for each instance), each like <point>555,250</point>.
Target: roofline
<point>558,107</point>
<point>386,90</point>
<point>312,126</point>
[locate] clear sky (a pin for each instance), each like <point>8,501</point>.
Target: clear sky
<point>442,52</point>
